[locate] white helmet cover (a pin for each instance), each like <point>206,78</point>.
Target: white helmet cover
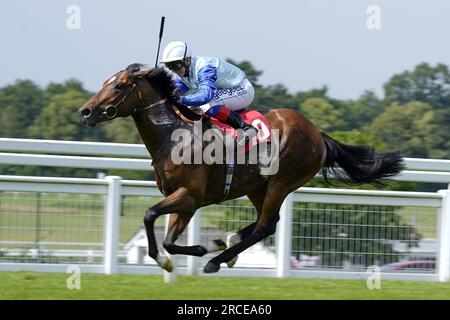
<point>175,51</point>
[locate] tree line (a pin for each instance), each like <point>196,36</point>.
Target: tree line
<point>412,116</point>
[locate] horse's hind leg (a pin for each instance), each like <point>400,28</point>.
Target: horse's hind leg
<point>237,237</point>
<point>265,226</point>
<point>257,198</point>
<point>177,224</point>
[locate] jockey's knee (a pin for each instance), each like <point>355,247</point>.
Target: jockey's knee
<point>218,111</point>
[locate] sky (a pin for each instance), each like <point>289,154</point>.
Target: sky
<point>302,44</point>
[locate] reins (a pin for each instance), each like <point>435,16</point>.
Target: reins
<point>111,110</point>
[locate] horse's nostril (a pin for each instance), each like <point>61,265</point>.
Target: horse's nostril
<point>86,113</point>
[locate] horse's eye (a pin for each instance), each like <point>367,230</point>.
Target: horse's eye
<point>119,86</point>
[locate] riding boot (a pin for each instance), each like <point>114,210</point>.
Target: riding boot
<point>249,131</point>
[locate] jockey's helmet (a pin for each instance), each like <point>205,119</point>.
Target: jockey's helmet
<point>176,51</point>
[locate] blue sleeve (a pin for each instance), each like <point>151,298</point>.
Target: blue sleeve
<point>207,77</point>
<point>180,85</point>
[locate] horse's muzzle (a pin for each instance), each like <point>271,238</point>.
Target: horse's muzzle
<point>88,116</point>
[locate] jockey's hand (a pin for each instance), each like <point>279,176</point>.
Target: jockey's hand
<point>176,93</point>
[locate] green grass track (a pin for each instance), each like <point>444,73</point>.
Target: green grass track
<point>32,285</point>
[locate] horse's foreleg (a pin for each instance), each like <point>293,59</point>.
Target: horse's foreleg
<point>178,201</point>
<point>177,224</point>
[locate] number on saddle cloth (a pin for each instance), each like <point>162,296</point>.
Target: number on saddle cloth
<point>252,117</point>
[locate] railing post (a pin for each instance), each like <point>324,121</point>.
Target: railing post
<point>283,238</point>
<point>193,238</point>
<point>444,238</point>
<point>112,223</point>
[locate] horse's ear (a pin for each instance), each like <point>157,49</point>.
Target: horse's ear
<point>138,70</point>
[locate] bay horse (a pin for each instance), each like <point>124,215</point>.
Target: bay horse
<point>146,94</point>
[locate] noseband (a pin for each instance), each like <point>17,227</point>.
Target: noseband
<point>111,110</point>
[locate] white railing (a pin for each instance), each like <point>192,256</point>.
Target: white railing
<point>114,190</point>
<point>65,151</point>
<point>95,155</point>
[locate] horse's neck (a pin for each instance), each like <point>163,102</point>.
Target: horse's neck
<point>155,126</point>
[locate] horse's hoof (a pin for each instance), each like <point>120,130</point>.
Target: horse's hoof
<point>232,262</point>
<point>164,262</point>
<point>168,266</point>
<point>211,267</point>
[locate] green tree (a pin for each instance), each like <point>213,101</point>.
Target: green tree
<point>438,134</point>
<point>272,97</point>
<point>427,135</point>
<point>302,96</point>
<point>121,130</point>
<point>68,85</point>
<point>357,137</point>
<point>405,128</point>
<point>360,113</point>
<point>59,119</point>
<point>323,114</point>
<point>425,83</point>
<point>20,104</point>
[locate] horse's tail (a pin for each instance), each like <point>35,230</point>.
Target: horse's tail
<point>358,164</point>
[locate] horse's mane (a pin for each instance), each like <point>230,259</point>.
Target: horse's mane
<point>162,82</point>
<point>158,77</point>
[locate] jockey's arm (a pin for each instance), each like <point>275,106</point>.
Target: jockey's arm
<point>207,77</point>
<point>182,88</point>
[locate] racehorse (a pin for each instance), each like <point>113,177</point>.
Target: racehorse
<point>146,94</point>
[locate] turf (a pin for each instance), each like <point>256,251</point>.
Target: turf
<point>43,286</point>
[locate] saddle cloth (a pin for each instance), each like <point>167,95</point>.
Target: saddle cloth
<point>252,117</point>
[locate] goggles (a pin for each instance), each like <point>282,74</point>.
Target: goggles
<point>175,65</point>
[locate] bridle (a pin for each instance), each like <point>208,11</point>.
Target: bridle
<point>112,110</point>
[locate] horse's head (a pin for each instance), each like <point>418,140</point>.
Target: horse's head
<point>120,96</point>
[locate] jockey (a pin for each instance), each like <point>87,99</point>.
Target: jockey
<point>213,85</point>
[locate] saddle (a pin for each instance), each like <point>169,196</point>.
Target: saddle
<point>186,114</point>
